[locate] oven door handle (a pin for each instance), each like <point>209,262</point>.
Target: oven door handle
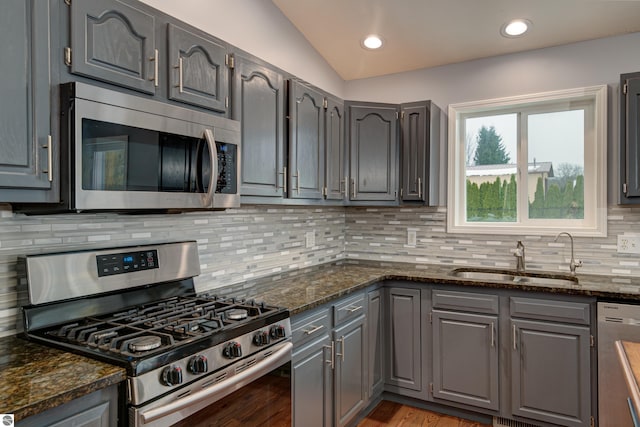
<point>207,198</point>
<point>225,387</point>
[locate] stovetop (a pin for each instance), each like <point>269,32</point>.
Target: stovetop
<point>147,335</point>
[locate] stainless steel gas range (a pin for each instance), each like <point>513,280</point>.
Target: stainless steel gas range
<point>137,307</point>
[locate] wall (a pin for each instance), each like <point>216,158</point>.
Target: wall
<point>234,245</point>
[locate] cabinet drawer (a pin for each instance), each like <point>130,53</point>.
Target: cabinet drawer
<point>467,301</point>
<point>349,308</point>
<point>563,311</point>
<point>307,327</point>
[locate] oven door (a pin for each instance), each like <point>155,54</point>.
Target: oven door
<point>253,392</point>
<point>130,159</point>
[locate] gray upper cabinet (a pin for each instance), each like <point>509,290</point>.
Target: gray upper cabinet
<point>630,138</point>
<point>415,145</point>
<point>258,94</point>
<point>198,72</point>
<point>336,180</point>
<point>373,145</point>
<point>114,42</point>
<point>28,154</point>
<point>306,142</point>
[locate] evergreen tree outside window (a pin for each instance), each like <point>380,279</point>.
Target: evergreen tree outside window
<point>521,165</point>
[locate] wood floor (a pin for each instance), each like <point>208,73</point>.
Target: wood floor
<point>396,415</point>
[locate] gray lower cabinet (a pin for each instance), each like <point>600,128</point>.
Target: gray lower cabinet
<point>376,346</point>
<point>465,348</point>
<point>403,341</point>
<point>28,153</point>
<point>258,94</point>
<point>350,373</point>
<point>373,145</point>
<point>98,409</point>
<point>306,142</point>
<point>312,369</point>
<point>465,358</point>
<point>551,361</point>
<point>114,42</point>
<point>198,73</point>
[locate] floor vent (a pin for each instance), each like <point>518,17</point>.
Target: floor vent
<point>506,422</point>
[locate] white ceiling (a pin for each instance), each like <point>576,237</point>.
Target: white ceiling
<point>428,33</point>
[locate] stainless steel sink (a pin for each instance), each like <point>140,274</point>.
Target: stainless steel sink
<point>515,277</point>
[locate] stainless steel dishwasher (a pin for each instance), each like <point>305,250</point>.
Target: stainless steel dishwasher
<point>615,322</point>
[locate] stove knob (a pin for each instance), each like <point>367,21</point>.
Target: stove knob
<point>171,375</point>
<point>232,350</point>
<point>198,365</point>
<point>277,331</point>
<point>261,338</point>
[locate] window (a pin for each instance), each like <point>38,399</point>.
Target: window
<point>533,164</point>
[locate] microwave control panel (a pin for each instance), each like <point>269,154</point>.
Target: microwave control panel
<point>129,262</point>
<point>227,166</point>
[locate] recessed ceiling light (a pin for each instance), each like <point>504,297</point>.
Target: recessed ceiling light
<point>372,42</point>
<point>515,28</point>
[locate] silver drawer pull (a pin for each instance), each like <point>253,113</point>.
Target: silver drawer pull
<point>313,330</point>
<point>353,309</point>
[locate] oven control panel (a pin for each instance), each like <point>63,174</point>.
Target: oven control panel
<point>111,264</point>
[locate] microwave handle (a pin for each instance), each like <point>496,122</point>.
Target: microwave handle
<point>207,198</point>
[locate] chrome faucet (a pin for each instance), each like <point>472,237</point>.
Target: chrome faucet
<point>519,254</point>
<point>573,264</point>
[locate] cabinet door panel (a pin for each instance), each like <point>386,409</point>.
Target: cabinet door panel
<point>630,135</point>
<point>374,145</point>
<point>465,358</point>
<point>404,364</point>
<point>414,151</point>
<point>312,387</point>
<point>113,42</point>
<point>197,69</point>
<point>25,102</point>
<point>259,106</point>
<point>550,370</point>
<point>375,378</point>
<point>350,370</point>
<point>335,163</point>
<point>306,156</point>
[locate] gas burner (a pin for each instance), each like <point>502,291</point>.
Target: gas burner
<point>237,314</point>
<point>145,343</point>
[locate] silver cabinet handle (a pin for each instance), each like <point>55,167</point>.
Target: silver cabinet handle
<point>297,177</point>
<point>419,188</point>
<point>284,179</point>
<point>493,336</point>
<point>313,330</point>
<point>332,360</point>
<point>354,308</point>
<point>156,67</point>
<point>179,67</point>
<point>49,148</point>
<point>515,347</point>
<point>353,184</point>
<point>345,183</point>
<point>341,340</point>
<point>207,200</point>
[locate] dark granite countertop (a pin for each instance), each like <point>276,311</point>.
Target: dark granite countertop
<point>311,287</point>
<point>34,378</point>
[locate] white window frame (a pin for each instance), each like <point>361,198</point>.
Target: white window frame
<point>595,157</point>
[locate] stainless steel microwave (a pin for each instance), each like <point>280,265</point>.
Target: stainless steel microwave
<point>126,152</point>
